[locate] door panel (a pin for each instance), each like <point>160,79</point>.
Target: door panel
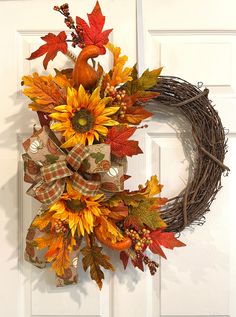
<point>195,41</point>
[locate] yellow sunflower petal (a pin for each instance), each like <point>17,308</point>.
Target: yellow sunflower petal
<point>70,143</point>
<point>110,111</point>
<point>101,129</point>
<point>81,227</point>
<point>83,97</point>
<point>111,122</point>
<point>90,138</point>
<point>62,108</point>
<point>59,116</point>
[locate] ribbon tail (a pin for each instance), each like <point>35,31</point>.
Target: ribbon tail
<point>32,254</point>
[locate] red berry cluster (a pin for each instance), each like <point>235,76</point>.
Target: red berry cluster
<point>117,95</point>
<point>77,35</point>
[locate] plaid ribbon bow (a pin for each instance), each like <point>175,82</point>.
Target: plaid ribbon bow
<point>89,168</point>
<point>52,178</point>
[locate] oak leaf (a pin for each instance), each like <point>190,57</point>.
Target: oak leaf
<point>119,74</point>
<point>109,231</point>
<point>120,145</point>
<point>93,33</point>
<point>165,239</point>
<point>43,220</point>
<point>93,259</point>
<point>62,261</point>
<point>54,44</point>
<point>44,92</point>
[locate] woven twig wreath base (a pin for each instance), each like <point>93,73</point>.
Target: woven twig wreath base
<point>208,133</point>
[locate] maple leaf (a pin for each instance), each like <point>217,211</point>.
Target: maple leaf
<point>136,114</point>
<point>119,74</point>
<point>44,92</point>
<point>146,81</point>
<point>165,239</point>
<point>143,215</point>
<point>93,33</point>
<point>144,96</point>
<point>120,145</point>
<point>126,197</point>
<point>153,187</point>
<point>93,259</point>
<point>54,44</point>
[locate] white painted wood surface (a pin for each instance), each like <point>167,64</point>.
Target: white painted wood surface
<point>192,39</point>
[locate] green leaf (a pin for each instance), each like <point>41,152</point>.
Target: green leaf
<point>51,158</point>
<point>146,81</point>
<point>97,156</point>
<point>142,215</point>
<point>93,259</point>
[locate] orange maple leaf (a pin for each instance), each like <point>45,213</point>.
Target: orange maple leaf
<point>120,145</point>
<point>54,44</point>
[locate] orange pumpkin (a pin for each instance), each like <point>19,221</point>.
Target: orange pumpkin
<point>83,73</point>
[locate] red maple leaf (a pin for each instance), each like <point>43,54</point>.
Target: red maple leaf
<point>54,44</point>
<point>120,145</point>
<point>165,239</point>
<point>93,33</point>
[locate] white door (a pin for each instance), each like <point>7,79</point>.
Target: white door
<point>195,40</point>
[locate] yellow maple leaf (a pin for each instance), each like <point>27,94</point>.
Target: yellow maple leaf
<point>44,92</point>
<point>153,187</point>
<point>119,73</point>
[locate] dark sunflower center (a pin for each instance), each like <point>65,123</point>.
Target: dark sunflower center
<point>82,121</point>
<point>75,205</point>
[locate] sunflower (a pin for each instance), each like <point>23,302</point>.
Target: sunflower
<point>80,212</point>
<point>84,118</point>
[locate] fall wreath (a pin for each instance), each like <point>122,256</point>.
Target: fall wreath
<point>76,162</point>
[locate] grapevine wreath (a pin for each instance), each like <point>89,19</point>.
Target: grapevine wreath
<point>76,162</point>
